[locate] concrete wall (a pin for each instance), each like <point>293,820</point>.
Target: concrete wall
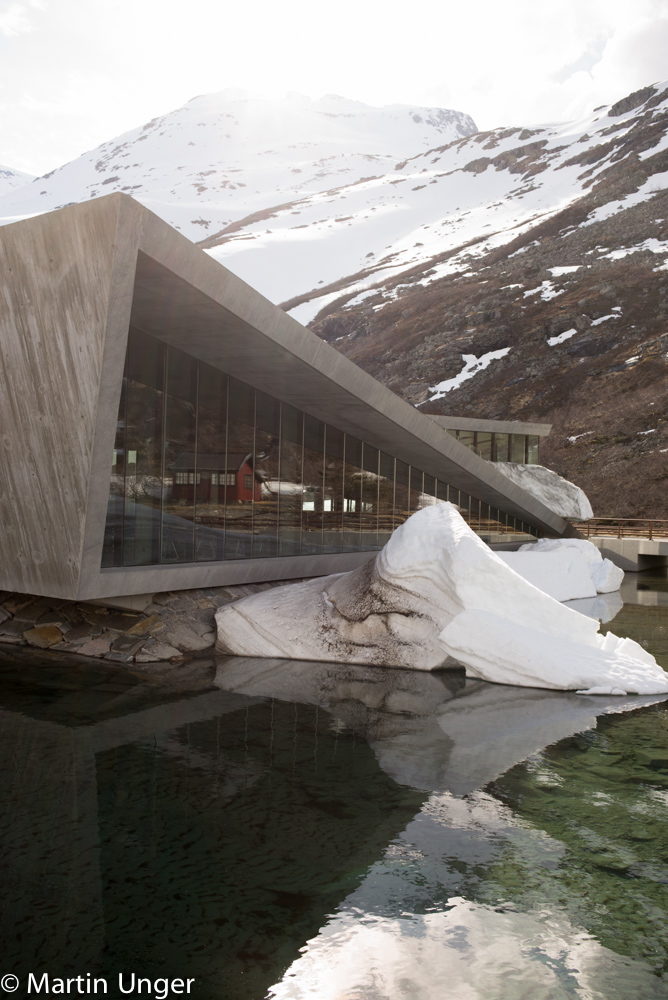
<point>633,554</point>
<point>58,279</point>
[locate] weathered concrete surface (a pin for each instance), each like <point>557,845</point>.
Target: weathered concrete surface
<point>73,280</point>
<point>58,275</point>
<point>496,426</point>
<point>633,554</point>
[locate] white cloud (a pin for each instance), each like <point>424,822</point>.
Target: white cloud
<point>75,73</point>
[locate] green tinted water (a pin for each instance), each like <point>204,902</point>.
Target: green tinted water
<point>291,830</point>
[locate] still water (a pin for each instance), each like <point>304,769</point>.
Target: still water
<point>289,830</point>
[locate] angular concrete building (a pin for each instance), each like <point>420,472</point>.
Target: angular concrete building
<point>164,426</point>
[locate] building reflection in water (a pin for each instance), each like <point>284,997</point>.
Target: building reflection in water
<point>210,831</point>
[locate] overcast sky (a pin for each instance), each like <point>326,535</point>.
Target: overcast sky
<point>74,73</point>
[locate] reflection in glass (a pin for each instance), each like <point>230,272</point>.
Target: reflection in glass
<point>266,465</point>
<point>180,458</point>
<point>401,493</point>
<point>416,489</point>
<point>532,449</point>
<point>385,499</point>
<point>333,501</point>
<point>484,444</point>
<point>145,483</point>
<point>369,499</point>
<point>517,448</point>
<point>352,495</point>
<point>206,468</point>
<point>312,502</point>
<point>242,486</point>
<point>500,445</point>
<point>290,507</point>
<point>211,465</point>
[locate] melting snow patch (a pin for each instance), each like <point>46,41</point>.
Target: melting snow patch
<point>556,272</point>
<point>547,291</point>
<point>653,245</point>
<point>602,319</point>
<point>653,431</point>
<point>472,366</point>
<point>576,437</point>
<point>561,337</point>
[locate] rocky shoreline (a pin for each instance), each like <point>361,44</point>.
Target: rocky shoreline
<point>176,625</point>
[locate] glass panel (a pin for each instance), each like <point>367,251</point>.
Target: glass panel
<point>464,505</point>
<point>517,448</point>
<point>312,501</point>
<point>352,495</point>
<point>467,438</point>
<point>112,550</point>
<point>334,493</point>
<point>484,445</point>
<point>180,458</point>
<point>500,448</point>
<point>369,512</point>
<point>290,507</point>
<point>266,465</point>
<point>211,464</point>
<point>416,489</point>
<point>429,495</point>
<point>385,499</point>
<point>144,485</point>
<point>241,484</point>
<point>401,494</point>
<point>533,442</point>
<point>444,491</point>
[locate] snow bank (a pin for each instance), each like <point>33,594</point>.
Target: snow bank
<point>436,590</point>
<point>567,569</point>
<point>606,577</point>
<point>557,493</point>
<point>563,575</point>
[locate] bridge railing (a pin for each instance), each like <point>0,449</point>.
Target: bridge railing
<point>624,527</point>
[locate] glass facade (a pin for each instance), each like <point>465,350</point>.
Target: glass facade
<point>520,448</point>
<point>206,468</point>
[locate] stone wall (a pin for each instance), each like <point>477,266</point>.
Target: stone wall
<point>176,625</point>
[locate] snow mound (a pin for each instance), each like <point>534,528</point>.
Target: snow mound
<point>563,497</point>
<point>437,591</point>
<point>606,577</point>
<point>567,569</point>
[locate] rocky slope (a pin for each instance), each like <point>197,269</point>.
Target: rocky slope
<point>563,320</point>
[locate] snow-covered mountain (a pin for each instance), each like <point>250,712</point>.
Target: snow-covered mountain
<point>225,156</point>
<point>446,206</point>
<point>11,179</point>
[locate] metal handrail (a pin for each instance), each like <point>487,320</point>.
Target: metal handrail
<point>624,527</point>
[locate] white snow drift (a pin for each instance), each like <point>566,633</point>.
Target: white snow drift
<point>567,569</point>
<point>437,591</point>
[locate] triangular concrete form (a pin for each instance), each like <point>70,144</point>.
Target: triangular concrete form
<point>73,282</point>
